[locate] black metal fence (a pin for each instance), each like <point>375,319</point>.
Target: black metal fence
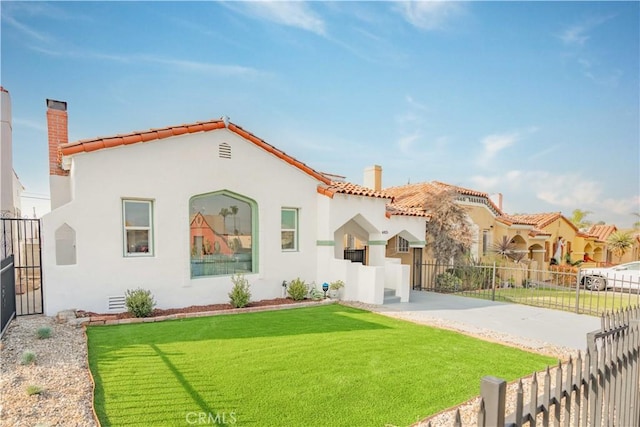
<point>559,287</point>
<point>20,238</point>
<point>7,293</point>
<point>356,255</point>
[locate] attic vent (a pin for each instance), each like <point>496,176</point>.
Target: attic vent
<point>116,303</point>
<point>224,151</point>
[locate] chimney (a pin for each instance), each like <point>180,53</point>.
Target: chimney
<point>373,177</point>
<point>59,183</point>
<point>58,135</point>
<point>497,199</point>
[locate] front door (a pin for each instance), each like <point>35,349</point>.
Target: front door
<point>417,268</point>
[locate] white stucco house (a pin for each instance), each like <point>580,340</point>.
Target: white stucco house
<point>178,210</point>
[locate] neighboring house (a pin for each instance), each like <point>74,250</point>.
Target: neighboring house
<point>481,210</point>
<point>602,232</point>
<point>179,209</point>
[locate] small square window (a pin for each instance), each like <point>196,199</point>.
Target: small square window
<point>402,245</point>
<point>137,227</point>
<point>289,229</point>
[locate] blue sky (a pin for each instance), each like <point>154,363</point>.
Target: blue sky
<point>536,100</point>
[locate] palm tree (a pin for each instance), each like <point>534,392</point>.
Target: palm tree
<point>225,213</point>
<point>448,230</point>
<point>504,248</point>
<point>234,212</point>
<point>620,242</point>
<point>578,218</point>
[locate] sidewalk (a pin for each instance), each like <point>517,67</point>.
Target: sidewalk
<point>524,325</point>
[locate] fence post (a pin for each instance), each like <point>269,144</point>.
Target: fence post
<point>578,291</point>
<point>494,393</point>
<point>493,283</point>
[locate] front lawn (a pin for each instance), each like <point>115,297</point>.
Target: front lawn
<point>327,365</point>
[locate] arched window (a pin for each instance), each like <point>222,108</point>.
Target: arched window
<point>223,234</point>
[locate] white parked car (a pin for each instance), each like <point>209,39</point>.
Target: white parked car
<point>623,276</point>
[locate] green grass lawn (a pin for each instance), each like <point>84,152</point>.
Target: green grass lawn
<point>326,365</point>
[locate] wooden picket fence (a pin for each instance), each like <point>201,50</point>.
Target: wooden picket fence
<point>603,389</point>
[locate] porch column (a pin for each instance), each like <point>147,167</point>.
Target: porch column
<point>377,248</point>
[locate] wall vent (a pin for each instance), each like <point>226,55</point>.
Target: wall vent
<point>224,151</point>
<point>116,303</point>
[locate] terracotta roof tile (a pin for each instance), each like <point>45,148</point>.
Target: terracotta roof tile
<point>540,220</point>
<point>93,144</point>
<point>352,189</point>
<point>602,231</point>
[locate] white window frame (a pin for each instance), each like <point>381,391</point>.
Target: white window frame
<point>294,229</point>
<point>126,228</point>
<point>402,246</point>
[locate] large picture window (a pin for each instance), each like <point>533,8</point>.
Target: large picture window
<point>222,235</point>
<point>289,229</point>
<point>138,227</point>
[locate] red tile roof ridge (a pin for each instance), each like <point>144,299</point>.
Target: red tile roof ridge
<point>92,144</point>
<point>343,187</point>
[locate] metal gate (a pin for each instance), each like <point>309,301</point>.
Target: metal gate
<point>20,238</point>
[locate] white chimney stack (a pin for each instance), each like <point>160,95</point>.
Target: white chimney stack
<point>373,177</point>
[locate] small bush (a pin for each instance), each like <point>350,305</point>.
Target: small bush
<point>28,357</point>
<point>240,294</point>
<point>336,285</point>
<point>139,302</point>
<point>34,389</point>
<point>447,282</point>
<point>315,294</point>
<point>44,332</point>
<point>297,289</point>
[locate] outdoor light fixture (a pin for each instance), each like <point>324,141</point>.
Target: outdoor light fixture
<point>325,288</point>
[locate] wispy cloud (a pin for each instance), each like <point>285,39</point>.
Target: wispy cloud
<point>495,143</point>
<point>429,15</point>
<point>30,32</point>
<point>410,124</point>
<point>33,124</point>
<point>578,34</point>
<point>292,14</point>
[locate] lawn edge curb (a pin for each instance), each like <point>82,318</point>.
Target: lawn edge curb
<point>99,321</point>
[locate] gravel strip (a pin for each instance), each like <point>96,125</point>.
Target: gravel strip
<point>60,370</point>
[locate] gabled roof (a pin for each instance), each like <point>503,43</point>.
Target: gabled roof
<point>93,144</point>
<point>602,232</point>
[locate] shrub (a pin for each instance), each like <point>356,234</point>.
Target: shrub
<point>44,332</point>
<point>315,293</point>
<point>447,282</point>
<point>28,357</point>
<point>297,289</point>
<point>337,285</point>
<point>240,293</point>
<point>34,389</point>
<point>139,302</point>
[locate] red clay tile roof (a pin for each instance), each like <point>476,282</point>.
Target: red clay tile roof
<point>540,220</point>
<point>602,232</point>
<point>414,195</point>
<point>352,189</point>
<point>411,195</point>
<point>393,209</point>
<point>88,145</point>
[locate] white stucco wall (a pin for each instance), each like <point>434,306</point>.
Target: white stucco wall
<point>170,172</point>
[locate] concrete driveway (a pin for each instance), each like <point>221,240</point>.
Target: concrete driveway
<point>523,325</point>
